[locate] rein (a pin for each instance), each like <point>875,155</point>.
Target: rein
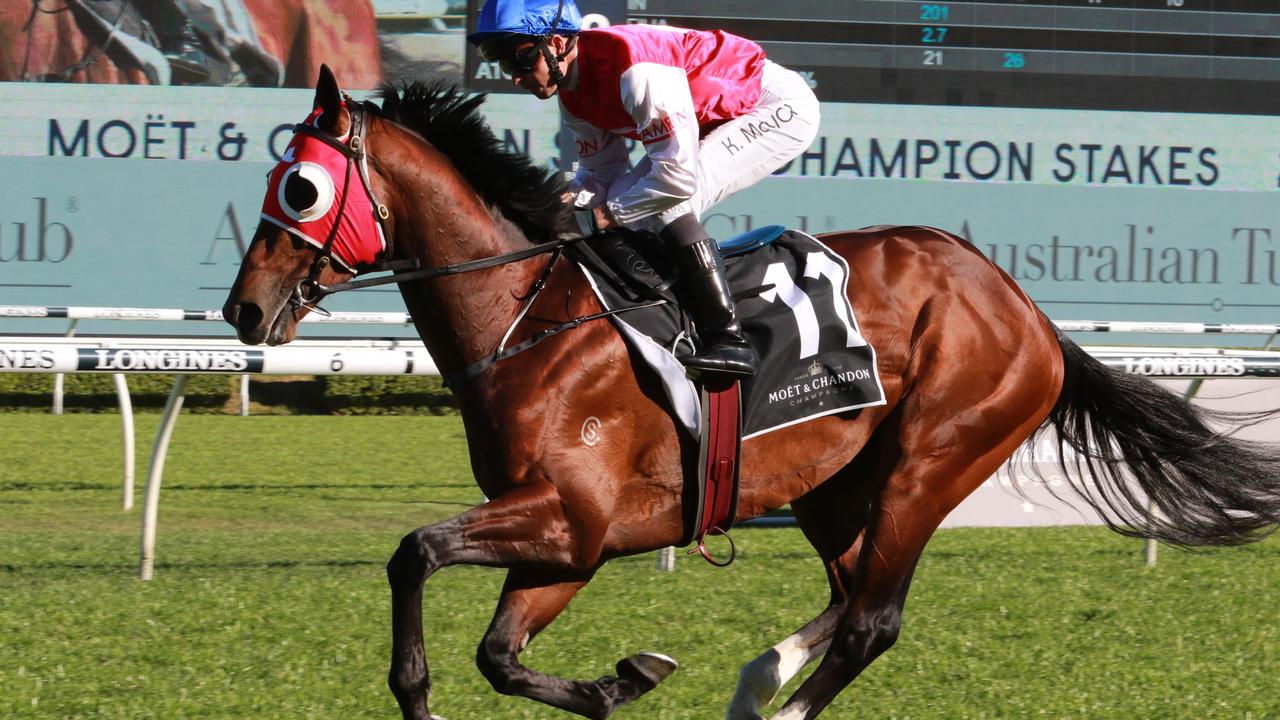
<point>321,291</point>
<point>476,368</point>
<point>310,291</point>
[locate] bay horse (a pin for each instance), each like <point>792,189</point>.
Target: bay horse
<point>970,368</point>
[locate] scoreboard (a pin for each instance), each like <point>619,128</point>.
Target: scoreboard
<point>1201,56</point>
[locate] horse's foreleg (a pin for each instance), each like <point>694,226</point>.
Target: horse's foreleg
<point>525,525</point>
<point>760,680</point>
<point>869,621</point>
<point>530,601</point>
<point>832,518</point>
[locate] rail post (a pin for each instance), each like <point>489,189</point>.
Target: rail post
<point>151,504</point>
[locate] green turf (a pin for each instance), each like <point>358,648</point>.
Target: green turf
<point>270,599</point>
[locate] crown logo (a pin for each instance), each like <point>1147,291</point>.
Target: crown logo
<point>815,368</point>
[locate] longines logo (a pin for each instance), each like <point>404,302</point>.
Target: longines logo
<point>24,359</point>
<point>19,311</point>
<point>169,360</point>
<point>1184,366</point>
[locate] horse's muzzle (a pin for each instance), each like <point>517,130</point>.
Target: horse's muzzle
<point>247,319</point>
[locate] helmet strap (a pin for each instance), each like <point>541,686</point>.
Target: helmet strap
<point>556,21</point>
<point>554,60</point>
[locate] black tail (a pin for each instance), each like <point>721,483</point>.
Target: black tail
<point>1135,440</point>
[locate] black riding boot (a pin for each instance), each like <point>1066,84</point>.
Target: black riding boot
<point>724,349</point>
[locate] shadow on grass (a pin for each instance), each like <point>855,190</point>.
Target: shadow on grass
<point>114,485</point>
<point>9,568</point>
<point>61,487</point>
<point>322,486</point>
<point>107,403</point>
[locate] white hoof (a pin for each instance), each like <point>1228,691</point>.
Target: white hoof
<point>660,656</point>
<point>758,684</point>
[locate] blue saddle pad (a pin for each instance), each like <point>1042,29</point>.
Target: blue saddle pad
<point>750,240</point>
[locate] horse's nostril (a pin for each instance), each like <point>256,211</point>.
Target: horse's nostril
<point>247,317</point>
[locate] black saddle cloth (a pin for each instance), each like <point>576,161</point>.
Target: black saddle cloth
<point>792,299</point>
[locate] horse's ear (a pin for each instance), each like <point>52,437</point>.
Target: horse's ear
<point>328,96</point>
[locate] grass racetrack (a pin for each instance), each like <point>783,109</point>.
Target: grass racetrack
<point>270,599</point>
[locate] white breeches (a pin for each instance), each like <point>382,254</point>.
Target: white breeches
<point>742,151</point>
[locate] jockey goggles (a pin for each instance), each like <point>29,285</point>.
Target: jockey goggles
<point>512,58</point>
<point>506,25</point>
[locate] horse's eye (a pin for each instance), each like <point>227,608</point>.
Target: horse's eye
<point>306,192</point>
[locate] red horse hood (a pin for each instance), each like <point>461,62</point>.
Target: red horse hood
<point>315,188</point>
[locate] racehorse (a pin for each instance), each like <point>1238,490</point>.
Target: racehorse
<point>970,368</point>
<point>67,41</point>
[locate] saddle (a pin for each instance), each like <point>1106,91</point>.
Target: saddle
<point>793,304</point>
<point>635,261</point>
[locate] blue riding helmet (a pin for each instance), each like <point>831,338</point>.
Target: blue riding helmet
<point>538,18</point>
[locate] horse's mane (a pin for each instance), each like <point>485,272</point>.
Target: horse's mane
<point>528,195</point>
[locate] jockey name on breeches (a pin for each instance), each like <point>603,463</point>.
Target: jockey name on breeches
<point>742,151</point>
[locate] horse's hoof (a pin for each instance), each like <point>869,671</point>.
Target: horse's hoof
<point>647,669</point>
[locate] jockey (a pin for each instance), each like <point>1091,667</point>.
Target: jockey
<point>712,113</point>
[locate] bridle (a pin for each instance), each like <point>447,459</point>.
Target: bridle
<point>310,291</point>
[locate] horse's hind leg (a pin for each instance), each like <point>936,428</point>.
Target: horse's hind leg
<point>936,468</point>
<point>530,601</point>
